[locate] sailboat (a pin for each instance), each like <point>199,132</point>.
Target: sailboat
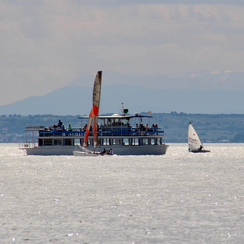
<point>93,117</point>
<point>194,143</point>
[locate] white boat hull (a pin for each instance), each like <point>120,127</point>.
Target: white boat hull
<point>140,150</point>
<point>119,150</point>
<point>48,151</point>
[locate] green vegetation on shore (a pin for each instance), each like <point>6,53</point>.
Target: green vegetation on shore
<point>210,127</point>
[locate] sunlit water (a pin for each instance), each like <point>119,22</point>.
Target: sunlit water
<point>180,197</point>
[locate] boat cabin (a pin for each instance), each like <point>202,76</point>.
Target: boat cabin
<point>123,130</point>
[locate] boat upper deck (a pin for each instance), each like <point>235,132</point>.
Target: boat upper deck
<point>114,125</point>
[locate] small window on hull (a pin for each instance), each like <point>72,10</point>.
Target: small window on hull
<point>57,142</point>
<point>67,142</point>
<point>40,142</point>
<point>115,141</point>
<point>145,141</point>
<point>104,142</point>
<point>48,142</point>
<point>135,142</point>
<point>126,142</point>
<point>77,142</point>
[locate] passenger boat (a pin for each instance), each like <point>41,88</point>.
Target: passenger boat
<point>124,134</point>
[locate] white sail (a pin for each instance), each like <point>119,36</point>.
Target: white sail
<point>194,142</point>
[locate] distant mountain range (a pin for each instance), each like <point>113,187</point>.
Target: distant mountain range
<point>200,93</point>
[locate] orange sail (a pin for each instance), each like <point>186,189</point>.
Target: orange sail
<point>96,104</point>
<point>85,144</point>
<point>95,111</point>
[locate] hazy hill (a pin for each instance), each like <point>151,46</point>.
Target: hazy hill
<point>206,93</point>
<point>77,100</point>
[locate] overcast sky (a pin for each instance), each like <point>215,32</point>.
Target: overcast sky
<point>45,44</point>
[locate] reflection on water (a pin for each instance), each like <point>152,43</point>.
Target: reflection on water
<point>180,197</point>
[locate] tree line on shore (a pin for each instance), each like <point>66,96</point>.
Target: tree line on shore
<point>210,127</point>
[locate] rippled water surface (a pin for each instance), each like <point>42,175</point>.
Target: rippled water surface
<point>180,197</point>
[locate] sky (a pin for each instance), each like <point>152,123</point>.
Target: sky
<point>45,44</point>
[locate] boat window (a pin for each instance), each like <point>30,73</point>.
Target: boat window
<point>58,142</point>
<point>154,141</point>
<point>105,142</point>
<point>90,142</point>
<point>81,142</point>
<point>48,142</point>
<point>145,141</point>
<point>135,141</point>
<point>77,142</point>
<point>40,142</point>
<point>125,142</point>
<point>116,141</point>
<point>67,142</point>
<point>158,141</point>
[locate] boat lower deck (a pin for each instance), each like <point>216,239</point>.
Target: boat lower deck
<point>119,150</point>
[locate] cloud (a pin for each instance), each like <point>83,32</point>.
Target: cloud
<point>46,44</point>
<point>130,2</point>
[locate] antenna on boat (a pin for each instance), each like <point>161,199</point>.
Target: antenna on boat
<point>124,110</point>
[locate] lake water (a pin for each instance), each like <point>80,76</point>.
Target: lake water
<point>179,197</point>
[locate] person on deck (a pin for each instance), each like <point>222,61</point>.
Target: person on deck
<point>59,124</point>
<point>69,127</point>
<point>136,128</point>
<point>147,127</point>
<point>104,151</point>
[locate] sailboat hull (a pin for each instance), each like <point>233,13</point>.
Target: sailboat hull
<point>198,151</point>
<point>85,154</point>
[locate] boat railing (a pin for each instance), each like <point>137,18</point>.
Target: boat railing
<point>46,133</point>
<point>25,145</point>
<point>34,128</point>
<point>111,132</point>
<point>130,133</point>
